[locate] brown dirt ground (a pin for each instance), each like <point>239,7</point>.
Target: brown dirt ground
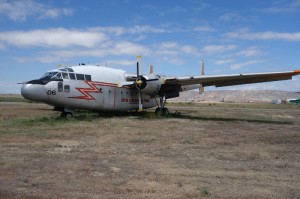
<point>208,151</point>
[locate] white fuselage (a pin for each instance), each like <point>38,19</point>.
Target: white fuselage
<point>94,88</point>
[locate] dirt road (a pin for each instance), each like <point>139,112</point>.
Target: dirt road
<point>207,151</point>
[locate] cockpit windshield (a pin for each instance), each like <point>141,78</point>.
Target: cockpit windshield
<point>59,76</point>
<point>51,75</point>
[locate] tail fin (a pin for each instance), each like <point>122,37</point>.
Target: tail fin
<point>151,69</point>
<point>201,88</point>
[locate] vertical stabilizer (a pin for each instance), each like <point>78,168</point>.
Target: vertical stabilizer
<point>201,88</point>
<point>150,69</point>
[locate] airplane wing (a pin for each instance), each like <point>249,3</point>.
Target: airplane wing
<point>228,80</point>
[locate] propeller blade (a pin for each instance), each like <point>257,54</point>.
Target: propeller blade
<point>137,69</point>
<point>139,82</point>
<point>140,101</point>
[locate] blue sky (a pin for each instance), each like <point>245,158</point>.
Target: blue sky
<point>230,36</point>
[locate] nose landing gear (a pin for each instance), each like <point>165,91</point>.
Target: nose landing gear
<point>66,113</point>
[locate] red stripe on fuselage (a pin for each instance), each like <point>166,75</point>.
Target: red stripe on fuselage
<point>93,89</point>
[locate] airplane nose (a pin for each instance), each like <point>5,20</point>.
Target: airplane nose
<point>34,92</point>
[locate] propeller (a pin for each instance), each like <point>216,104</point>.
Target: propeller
<point>149,84</point>
<point>139,83</point>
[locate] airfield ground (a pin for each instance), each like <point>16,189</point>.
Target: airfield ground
<point>202,151</point>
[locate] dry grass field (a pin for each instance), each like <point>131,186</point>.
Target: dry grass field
<point>201,151</point>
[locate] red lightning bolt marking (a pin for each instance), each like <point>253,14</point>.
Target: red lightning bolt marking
<point>93,89</point>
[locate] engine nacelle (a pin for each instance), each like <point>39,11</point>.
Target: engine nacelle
<point>152,84</point>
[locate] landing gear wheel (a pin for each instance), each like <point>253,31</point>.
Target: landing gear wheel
<point>66,115</point>
<point>162,111</point>
<point>158,111</point>
<point>165,112</point>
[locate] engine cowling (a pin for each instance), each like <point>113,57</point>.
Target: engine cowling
<point>151,84</point>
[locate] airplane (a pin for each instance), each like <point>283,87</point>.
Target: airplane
<point>100,88</point>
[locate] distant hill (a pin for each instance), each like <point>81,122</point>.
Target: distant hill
<point>235,96</point>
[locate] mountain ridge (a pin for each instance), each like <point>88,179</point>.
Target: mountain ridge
<point>235,96</point>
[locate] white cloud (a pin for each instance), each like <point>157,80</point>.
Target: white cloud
<point>173,59</point>
<point>168,51</point>
<point>210,49</point>
<point>251,51</point>
<point>223,61</point>
<point>117,48</point>
<point>66,44</point>
<point>58,37</point>
<point>204,29</point>
<point>20,10</point>
<point>67,11</point>
<point>2,47</point>
<point>56,13</point>
<point>51,13</point>
<point>175,49</point>
<point>229,17</point>
<point>115,30</point>
<point>268,35</point>
<point>42,59</point>
<point>129,48</point>
<point>200,6</point>
<point>244,64</point>
<point>189,50</point>
<point>173,10</point>
<point>138,29</point>
<point>145,29</point>
<point>282,7</point>
<point>111,63</point>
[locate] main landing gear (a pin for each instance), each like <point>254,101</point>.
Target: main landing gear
<point>161,109</point>
<point>66,113</point>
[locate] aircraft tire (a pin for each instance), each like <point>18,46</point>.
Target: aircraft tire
<point>162,112</point>
<point>165,112</point>
<point>66,115</point>
<point>158,111</point>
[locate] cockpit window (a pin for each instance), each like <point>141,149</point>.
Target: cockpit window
<point>57,76</point>
<point>80,76</point>
<point>72,75</point>
<point>49,75</point>
<point>65,75</point>
<point>88,78</point>
<point>70,69</point>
